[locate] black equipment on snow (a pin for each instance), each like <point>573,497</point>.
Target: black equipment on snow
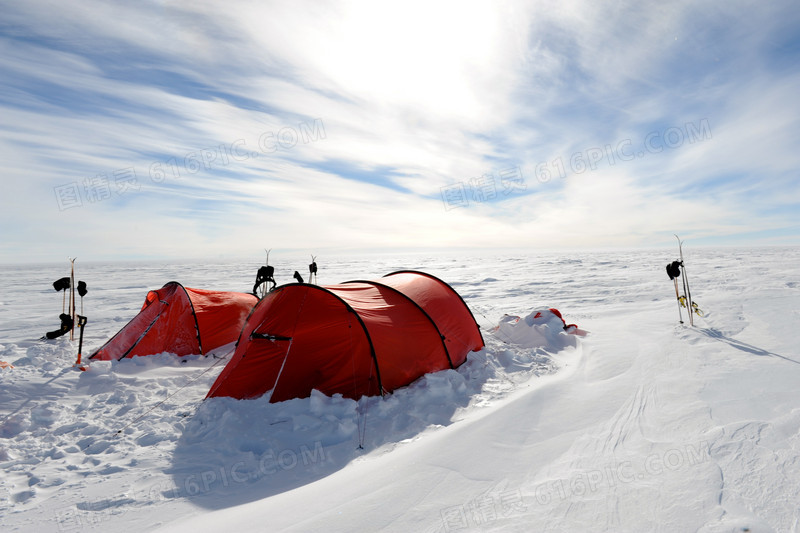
<point>67,316</point>
<point>312,269</point>
<point>265,274</point>
<point>61,284</point>
<point>66,326</point>
<point>72,296</point>
<point>82,290</point>
<point>298,277</point>
<point>674,271</point>
<point>81,324</point>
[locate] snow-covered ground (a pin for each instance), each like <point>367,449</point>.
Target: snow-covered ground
<point>642,425</point>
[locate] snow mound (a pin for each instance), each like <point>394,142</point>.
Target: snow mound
<point>542,328</point>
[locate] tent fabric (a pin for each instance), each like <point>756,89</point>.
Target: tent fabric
<point>180,320</point>
<point>441,302</point>
<point>356,338</point>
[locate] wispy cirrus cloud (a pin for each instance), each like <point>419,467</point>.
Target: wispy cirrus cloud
<point>339,123</point>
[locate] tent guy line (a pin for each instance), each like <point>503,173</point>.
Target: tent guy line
<point>169,396</point>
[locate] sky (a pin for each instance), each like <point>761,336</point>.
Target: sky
<point>169,129</point>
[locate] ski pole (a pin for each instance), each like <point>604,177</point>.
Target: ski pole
<point>72,295</point>
<point>673,271</point>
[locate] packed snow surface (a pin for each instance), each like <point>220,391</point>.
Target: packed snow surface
<point>636,423</point>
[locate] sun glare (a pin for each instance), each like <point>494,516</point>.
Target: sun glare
<point>424,53</point>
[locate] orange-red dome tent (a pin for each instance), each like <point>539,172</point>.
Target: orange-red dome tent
<point>356,338</point>
<point>180,320</point>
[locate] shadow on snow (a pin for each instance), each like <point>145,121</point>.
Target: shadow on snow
<point>236,451</point>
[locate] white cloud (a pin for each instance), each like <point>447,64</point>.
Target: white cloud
<point>414,96</point>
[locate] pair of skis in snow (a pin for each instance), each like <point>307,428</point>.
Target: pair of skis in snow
<point>70,319</point>
<point>675,270</point>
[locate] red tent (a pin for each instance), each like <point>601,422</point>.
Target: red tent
<point>180,320</point>
<point>356,338</point>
